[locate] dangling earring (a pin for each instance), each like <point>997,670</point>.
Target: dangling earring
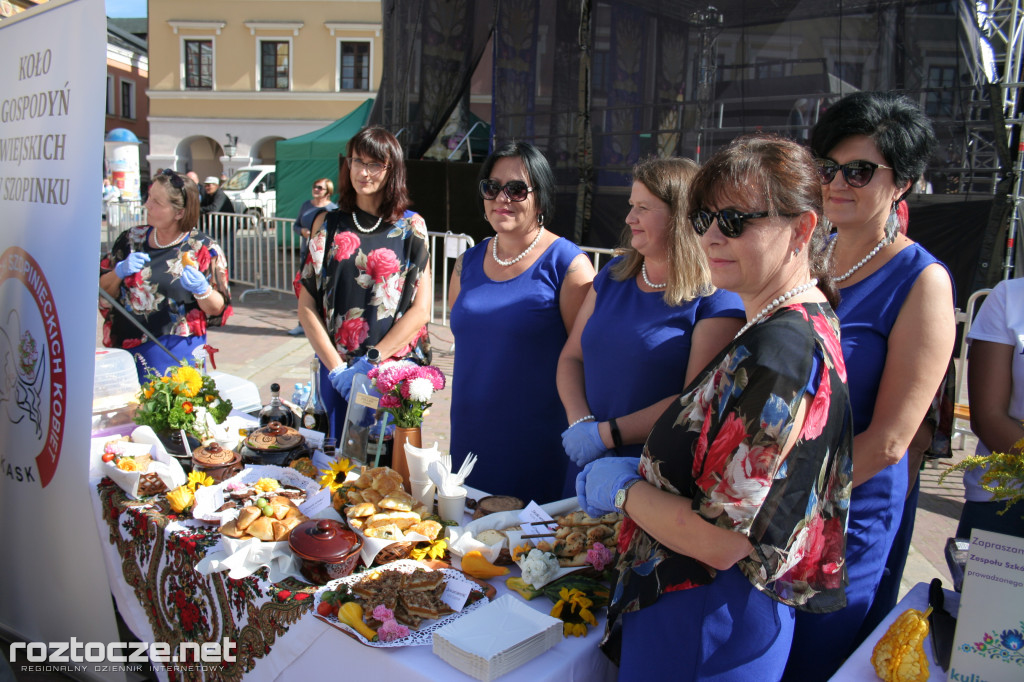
<point>540,220</point>
<point>796,251</point>
<point>892,223</point>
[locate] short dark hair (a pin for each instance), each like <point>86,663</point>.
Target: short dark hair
<point>901,131</point>
<point>538,172</point>
<point>784,174</point>
<point>379,144</point>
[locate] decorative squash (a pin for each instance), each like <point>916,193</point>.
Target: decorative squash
<point>351,613</point>
<point>180,499</point>
<point>899,655</point>
<point>474,564</point>
<point>305,466</point>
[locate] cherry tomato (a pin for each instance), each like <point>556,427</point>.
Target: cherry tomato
<point>108,456</point>
<point>325,609</point>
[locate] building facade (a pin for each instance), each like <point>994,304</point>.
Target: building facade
<point>229,78</point>
<point>127,80</point>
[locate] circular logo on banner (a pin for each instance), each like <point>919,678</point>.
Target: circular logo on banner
<point>33,386</point>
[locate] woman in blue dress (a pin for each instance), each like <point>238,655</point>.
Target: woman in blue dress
<point>897,324</point>
<point>736,512</point>
<point>514,298</point>
<point>651,322</point>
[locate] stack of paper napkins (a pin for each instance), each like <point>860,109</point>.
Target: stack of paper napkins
<point>496,638</point>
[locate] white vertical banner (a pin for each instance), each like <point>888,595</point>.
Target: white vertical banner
<point>53,584</point>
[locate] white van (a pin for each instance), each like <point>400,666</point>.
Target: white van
<point>253,190</point>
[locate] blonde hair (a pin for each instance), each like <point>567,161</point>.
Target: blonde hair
<point>328,183</point>
<point>688,273</point>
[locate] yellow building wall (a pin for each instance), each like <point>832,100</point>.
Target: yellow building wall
<point>313,56</point>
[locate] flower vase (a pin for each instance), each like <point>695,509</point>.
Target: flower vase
<point>403,435</point>
<point>171,440</point>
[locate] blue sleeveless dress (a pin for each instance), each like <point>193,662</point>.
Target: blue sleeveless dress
<point>505,407</point>
<point>636,348</point>
<point>867,312</point>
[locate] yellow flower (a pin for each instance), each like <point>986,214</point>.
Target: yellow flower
<point>189,381</point>
<point>197,479</point>
<point>127,464</point>
<point>267,485</point>
<point>519,551</point>
<point>578,614</point>
<point>180,499</point>
<point>166,380</point>
<point>433,550</point>
<point>334,477</point>
<point>148,391</point>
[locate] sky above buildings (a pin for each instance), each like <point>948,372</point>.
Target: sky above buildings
<point>126,9</point>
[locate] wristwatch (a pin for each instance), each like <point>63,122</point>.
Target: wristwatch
<point>620,496</point>
<point>373,355</point>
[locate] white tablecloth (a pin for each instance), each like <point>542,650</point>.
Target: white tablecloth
<point>858,665</point>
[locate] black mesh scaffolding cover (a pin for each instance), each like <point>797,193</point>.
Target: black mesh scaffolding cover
<point>599,85</point>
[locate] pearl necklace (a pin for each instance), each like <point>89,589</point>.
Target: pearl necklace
<point>513,261</point>
<point>363,229</point>
<point>776,302</point>
<point>863,261</point>
<point>157,244</point>
<point>643,271</point>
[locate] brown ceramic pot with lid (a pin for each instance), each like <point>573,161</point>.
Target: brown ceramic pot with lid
<point>275,444</point>
<point>220,463</point>
<point>327,548</point>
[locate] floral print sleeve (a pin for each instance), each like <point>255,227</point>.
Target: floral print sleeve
<point>720,445</point>
<point>361,282</point>
<point>155,296</point>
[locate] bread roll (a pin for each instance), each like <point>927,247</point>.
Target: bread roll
<point>403,519</point>
<point>360,510</point>
<point>230,529</point>
<point>281,530</point>
<point>388,531</point>
<point>430,529</point>
<point>247,516</point>
<point>379,519</point>
<point>261,529</point>
<point>397,500</point>
<point>354,497</point>
<point>491,537</point>
<point>372,496</point>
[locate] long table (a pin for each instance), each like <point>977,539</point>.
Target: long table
<point>150,553</point>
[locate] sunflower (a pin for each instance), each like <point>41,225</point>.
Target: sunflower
<point>577,616</point>
<point>189,381</point>
<point>197,479</point>
<point>334,477</point>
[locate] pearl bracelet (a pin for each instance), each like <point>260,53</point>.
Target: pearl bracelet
<point>588,418</point>
<point>203,297</point>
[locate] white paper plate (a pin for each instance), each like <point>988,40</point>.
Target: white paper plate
<point>497,638</point>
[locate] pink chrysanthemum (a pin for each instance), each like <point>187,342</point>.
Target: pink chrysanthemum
<point>383,613</point>
<point>392,630</point>
<point>599,556</point>
<point>390,402</point>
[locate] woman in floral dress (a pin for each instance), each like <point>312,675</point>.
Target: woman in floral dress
<point>364,295</point>
<point>736,511</point>
<point>173,281</point>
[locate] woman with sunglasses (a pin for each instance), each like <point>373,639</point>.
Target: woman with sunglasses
<point>650,323</point>
<point>323,190</point>
<point>736,511</point>
<point>365,284</point>
<point>896,316</point>
<point>514,298</point>
<point>173,281</point>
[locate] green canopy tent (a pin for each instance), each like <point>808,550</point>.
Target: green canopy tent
<point>303,159</point>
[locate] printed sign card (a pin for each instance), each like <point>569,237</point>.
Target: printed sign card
<point>989,642</point>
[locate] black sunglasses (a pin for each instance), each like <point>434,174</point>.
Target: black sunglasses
<point>730,221</point>
<point>177,183</point>
<point>515,190</point>
<point>320,187</point>
<point>856,173</point>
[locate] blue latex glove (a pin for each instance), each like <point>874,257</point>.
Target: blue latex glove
<point>583,444</point>
<point>341,376</point>
<point>193,281</point>
<point>132,264</point>
<point>597,484</point>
